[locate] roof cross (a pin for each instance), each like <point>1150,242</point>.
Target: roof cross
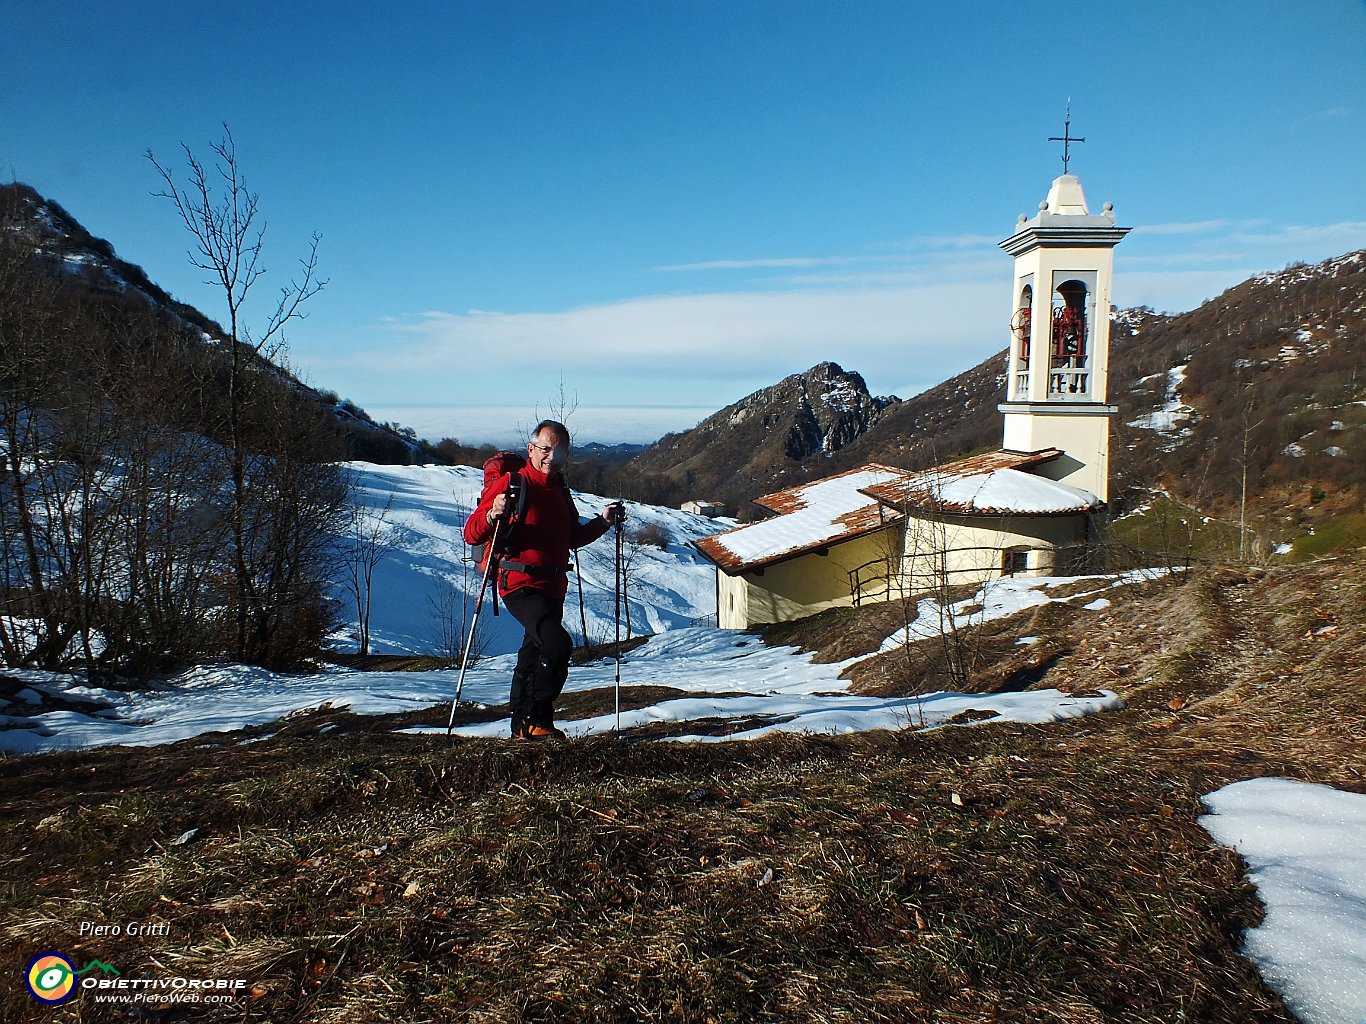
<point>1066,138</point>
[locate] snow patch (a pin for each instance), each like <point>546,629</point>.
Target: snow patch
<point>1172,415</point>
<point>1001,598</point>
<point>1302,843</point>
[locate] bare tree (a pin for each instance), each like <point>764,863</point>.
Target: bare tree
<point>453,610</point>
<point>930,578</point>
<point>934,568</point>
<point>1249,408</point>
<point>578,586</point>
<point>116,496</point>
<point>563,405</point>
<point>33,626</point>
<point>283,500</point>
<point>372,540</point>
<point>634,568</point>
<point>221,213</point>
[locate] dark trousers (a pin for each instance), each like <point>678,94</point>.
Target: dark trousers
<point>542,661</point>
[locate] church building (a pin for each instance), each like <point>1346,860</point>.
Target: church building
<point>1033,507</point>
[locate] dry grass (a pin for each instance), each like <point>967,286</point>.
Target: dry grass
<point>988,873</point>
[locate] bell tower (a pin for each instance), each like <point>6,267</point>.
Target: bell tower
<point>1058,368</point>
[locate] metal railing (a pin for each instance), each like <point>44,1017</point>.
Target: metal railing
<point>871,581</point>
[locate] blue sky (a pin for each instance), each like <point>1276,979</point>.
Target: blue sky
<point>668,205</point>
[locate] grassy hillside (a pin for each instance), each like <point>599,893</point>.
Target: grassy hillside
<point>987,873</point>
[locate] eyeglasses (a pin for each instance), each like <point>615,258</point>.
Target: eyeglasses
<point>540,448</point>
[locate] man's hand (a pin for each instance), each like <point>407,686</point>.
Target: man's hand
<point>614,513</point>
<point>497,509</point>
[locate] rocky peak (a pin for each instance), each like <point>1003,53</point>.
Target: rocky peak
<point>822,410</point>
<point>759,442</point>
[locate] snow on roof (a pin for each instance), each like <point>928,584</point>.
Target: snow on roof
<point>857,502</point>
<point>993,492</point>
<point>810,516</point>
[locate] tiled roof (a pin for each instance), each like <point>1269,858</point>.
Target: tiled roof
<point>810,516</point>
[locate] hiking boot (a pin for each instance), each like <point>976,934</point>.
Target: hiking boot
<point>543,732</point>
<point>519,727</point>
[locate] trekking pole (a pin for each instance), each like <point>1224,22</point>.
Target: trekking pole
<point>474,621</point>
<point>618,586</point>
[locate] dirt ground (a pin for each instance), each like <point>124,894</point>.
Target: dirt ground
<point>991,872</point>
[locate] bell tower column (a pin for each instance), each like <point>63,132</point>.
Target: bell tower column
<point>1057,372</point>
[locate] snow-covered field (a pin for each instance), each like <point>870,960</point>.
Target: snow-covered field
<point>1304,843</point>
<point>725,674</point>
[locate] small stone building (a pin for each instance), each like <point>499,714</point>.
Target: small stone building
<point>876,532</point>
<point>710,509</point>
<point>807,556</point>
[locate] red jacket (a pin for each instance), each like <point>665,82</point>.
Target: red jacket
<point>549,528</point>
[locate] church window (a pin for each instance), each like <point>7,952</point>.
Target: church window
<point>1014,561</point>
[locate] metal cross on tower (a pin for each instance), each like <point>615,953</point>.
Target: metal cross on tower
<point>1066,138</point>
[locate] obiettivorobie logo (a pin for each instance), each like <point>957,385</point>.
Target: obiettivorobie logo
<point>52,977</point>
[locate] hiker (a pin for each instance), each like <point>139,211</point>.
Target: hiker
<point>533,570</point>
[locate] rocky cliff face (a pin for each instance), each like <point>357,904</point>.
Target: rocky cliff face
<point>819,411</point>
<point>750,447</point>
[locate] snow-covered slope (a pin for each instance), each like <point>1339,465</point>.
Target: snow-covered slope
<point>424,509</point>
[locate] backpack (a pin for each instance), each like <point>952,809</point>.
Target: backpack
<point>495,468</point>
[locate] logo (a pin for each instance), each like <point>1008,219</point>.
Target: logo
<point>51,978</point>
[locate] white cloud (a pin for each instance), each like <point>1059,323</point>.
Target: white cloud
<point>1289,241</point>
<point>1311,241</point>
<point>964,241</point>
<point>1196,227</point>
<point>900,257</point>
<point>643,367</point>
<point>721,333</point>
